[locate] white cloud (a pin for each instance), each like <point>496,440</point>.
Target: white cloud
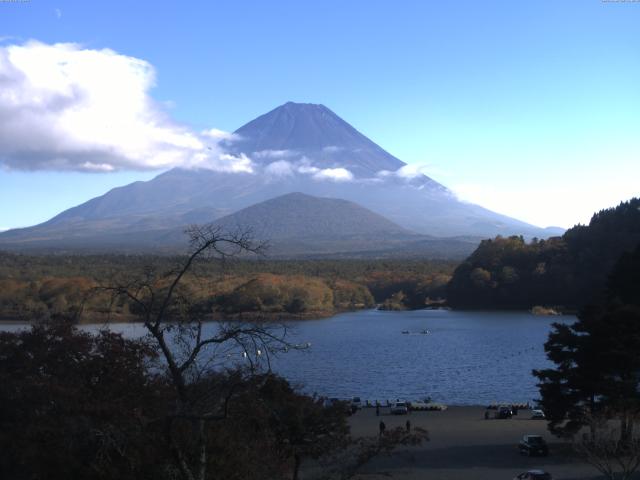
<point>274,154</point>
<point>410,171</point>
<point>332,149</point>
<point>222,162</point>
<point>65,107</point>
<point>305,165</point>
<point>334,174</point>
<point>308,169</point>
<point>97,167</point>
<point>231,163</point>
<point>217,134</point>
<point>281,168</point>
<point>58,13</point>
<point>407,172</point>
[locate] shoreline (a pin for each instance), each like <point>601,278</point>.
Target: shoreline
<point>231,317</point>
<point>270,317</point>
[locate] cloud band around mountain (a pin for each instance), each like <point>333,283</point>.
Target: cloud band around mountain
<point>304,166</point>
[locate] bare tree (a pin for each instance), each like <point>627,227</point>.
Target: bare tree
<point>189,346</point>
<point>613,452</point>
<point>175,318</point>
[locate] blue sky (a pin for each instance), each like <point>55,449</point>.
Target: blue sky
<point>531,109</point>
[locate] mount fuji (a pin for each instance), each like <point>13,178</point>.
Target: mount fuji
<point>294,148</point>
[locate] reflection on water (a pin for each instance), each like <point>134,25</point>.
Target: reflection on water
<point>467,357</point>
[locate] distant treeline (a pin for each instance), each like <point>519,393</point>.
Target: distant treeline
<point>567,272</point>
<point>36,287</point>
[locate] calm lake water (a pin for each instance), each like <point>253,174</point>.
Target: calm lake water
<point>469,358</point>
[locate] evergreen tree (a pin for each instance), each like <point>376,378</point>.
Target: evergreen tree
<point>597,358</point>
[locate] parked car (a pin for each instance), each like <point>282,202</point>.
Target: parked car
<point>537,415</point>
<point>330,402</point>
<point>356,403</point>
<point>534,475</point>
<point>533,445</point>
<point>419,406</point>
<point>504,411</point>
<point>399,408</point>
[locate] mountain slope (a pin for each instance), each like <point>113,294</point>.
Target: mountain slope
<point>294,148</point>
<point>300,225</point>
<point>296,215</point>
<point>294,129</point>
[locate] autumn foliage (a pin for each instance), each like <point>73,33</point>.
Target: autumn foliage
<point>39,288</point>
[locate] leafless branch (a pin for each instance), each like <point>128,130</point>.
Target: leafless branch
<point>173,320</point>
<point>611,451</point>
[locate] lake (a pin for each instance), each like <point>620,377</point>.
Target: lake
<point>468,358</point>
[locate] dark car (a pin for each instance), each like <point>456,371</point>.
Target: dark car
<point>504,411</point>
<point>533,445</point>
<point>345,404</point>
<point>534,475</point>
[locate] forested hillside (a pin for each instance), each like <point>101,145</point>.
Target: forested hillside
<point>567,272</point>
<point>37,287</point>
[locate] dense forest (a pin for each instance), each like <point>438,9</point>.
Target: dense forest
<point>39,287</point>
<point>565,272</point>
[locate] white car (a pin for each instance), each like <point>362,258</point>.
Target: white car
<point>356,403</point>
<point>400,408</point>
<point>419,406</point>
<point>537,415</point>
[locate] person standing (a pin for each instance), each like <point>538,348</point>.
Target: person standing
<point>377,409</point>
<point>408,425</point>
<point>383,427</point>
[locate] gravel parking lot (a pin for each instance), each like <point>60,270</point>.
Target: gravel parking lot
<point>463,446</point>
